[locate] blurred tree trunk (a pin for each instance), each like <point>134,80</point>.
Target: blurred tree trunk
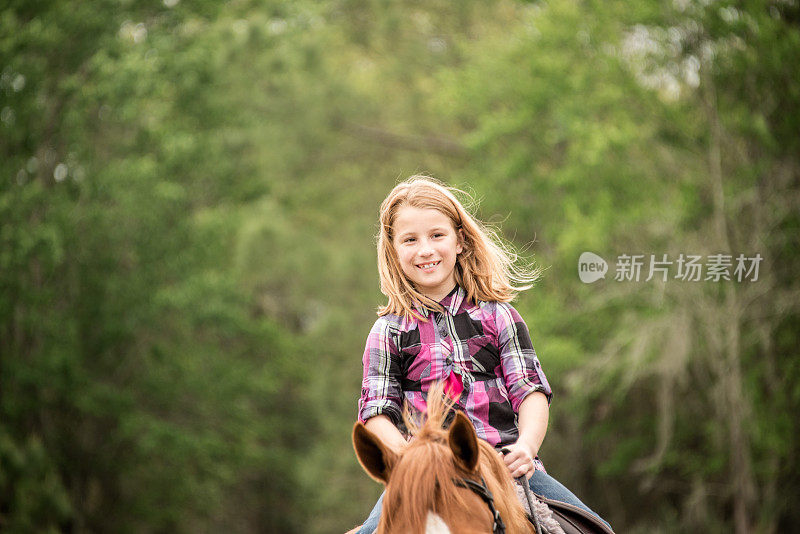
<point>724,333</point>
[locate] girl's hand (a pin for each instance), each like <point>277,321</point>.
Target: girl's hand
<point>519,460</point>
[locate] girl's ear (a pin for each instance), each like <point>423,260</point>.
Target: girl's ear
<point>461,240</point>
<point>375,457</point>
<point>463,442</point>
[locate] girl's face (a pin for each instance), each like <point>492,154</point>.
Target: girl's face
<point>427,245</point>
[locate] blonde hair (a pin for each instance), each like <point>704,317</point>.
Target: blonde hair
<point>486,268</point>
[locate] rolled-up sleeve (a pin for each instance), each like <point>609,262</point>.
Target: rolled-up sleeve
<point>522,371</point>
<point>381,391</point>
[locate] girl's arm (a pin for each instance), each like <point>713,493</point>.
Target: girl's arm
<point>382,426</point>
<point>534,413</point>
<point>528,389</point>
<point>381,392</point>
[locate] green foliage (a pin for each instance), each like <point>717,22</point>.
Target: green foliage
<point>142,388</point>
<point>187,216</point>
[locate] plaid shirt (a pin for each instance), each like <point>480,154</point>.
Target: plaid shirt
<point>484,347</point>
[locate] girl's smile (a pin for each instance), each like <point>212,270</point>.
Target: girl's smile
<point>429,266</point>
<point>427,245</point>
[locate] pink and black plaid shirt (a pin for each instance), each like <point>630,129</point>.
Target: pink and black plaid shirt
<point>482,350</point>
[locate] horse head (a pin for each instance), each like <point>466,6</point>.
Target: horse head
<point>444,480</point>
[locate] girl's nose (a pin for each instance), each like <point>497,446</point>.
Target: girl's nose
<point>425,249</point>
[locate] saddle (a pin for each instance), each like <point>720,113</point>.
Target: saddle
<point>556,517</point>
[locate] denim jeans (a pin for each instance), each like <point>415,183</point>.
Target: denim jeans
<point>540,483</point>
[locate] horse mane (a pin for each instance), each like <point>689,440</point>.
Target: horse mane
<point>423,481</point>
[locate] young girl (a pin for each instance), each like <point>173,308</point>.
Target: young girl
<point>449,282</point>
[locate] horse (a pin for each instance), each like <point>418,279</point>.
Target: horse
<point>444,480</point>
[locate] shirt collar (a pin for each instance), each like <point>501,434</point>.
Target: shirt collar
<point>451,302</point>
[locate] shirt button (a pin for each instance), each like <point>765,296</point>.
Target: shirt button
<point>443,331</point>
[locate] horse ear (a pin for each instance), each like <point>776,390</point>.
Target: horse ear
<point>375,457</point>
<point>463,442</point>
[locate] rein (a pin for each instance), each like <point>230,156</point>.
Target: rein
<point>532,516</point>
<point>524,482</point>
<point>480,489</point>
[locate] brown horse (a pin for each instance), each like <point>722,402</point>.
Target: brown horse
<point>428,488</point>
